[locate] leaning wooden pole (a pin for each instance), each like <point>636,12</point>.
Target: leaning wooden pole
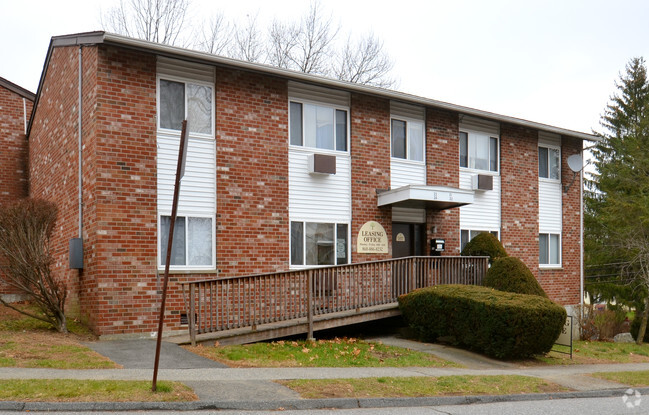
<point>180,171</point>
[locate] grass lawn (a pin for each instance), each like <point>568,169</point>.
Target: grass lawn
<point>586,352</point>
<point>27,342</point>
<point>65,390</point>
<point>420,386</point>
<point>636,379</point>
<point>345,352</point>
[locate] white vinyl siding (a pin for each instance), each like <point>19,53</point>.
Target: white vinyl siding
<point>484,212</point>
<point>408,215</point>
<point>198,190</point>
<point>403,172</point>
<point>197,199</point>
<point>550,208</point>
<point>318,198</point>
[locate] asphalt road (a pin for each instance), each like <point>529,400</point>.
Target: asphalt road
<point>581,406</point>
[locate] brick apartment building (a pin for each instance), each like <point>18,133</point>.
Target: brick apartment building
<point>283,170</point>
<point>15,110</point>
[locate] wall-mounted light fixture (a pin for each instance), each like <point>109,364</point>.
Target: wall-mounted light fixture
<point>575,163</point>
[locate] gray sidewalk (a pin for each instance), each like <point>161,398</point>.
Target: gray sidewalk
<point>220,387</point>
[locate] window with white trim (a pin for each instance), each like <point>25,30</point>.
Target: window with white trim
<point>549,162</point>
<point>318,126</point>
<point>466,235</point>
<point>185,100</point>
<point>314,243</point>
<point>193,244</point>
<point>549,249</point>
<point>478,151</point>
<point>407,139</point>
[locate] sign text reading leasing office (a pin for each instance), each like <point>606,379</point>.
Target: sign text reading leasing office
<point>372,239</point>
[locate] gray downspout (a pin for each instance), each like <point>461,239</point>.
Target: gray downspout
<point>80,144</point>
<point>76,244</point>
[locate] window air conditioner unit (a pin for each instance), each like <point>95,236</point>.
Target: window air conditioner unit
<point>482,182</point>
<point>322,164</point>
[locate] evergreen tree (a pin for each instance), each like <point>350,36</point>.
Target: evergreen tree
<point>617,203</point>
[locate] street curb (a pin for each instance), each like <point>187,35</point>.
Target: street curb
<point>308,404</point>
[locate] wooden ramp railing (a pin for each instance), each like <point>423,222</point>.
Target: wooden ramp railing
<point>249,301</point>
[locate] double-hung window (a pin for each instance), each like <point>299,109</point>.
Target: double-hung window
<point>194,233</point>
<point>318,126</point>
<point>549,249</point>
<point>478,151</point>
<point>315,243</point>
<point>549,162</point>
<point>185,100</point>
<point>407,139</point>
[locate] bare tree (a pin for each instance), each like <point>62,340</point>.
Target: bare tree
<point>160,21</point>
<point>365,62</point>
<point>314,42</point>
<point>25,259</point>
<point>281,44</point>
<point>247,44</point>
<point>215,36</point>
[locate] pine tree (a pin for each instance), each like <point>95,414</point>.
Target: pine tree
<point>617,204</point>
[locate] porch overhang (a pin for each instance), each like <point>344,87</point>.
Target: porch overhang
<point>418,196</point>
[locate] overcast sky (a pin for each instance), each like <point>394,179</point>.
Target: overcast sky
<point>554,62</point>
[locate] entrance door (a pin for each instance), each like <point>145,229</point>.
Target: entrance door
<point>407,240</point>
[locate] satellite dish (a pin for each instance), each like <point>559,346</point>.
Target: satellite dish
<point>575,163</point>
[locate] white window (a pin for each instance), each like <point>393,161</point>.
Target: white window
<point>184,100</point>
<point>407,138</point>
<point>478,151</point>
<point>318,126</point>
<point>549,249</point>
<point>193,244</point>
<point>315,243</point>
<point>466,235</point>
<point>549,162</point>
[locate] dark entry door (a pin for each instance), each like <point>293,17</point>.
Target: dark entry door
<point>407,240</point>
<point>401,240</point>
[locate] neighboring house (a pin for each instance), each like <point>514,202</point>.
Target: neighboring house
<point>15,109</point>
<point>283,170</point>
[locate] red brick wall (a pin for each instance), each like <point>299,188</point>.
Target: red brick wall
<point>563,285</point>
<point>442,169</point>
<point>520,193</point>
<point>251,173</point>
<point>53,155</point>
<point>13,152</point>
<point>370,158</point>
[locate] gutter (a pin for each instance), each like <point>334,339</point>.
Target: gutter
<point>100,37</point>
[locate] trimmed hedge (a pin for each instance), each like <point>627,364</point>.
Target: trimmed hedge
<point>484,244</point>
<point>512,275</point>
<point>496,323</point>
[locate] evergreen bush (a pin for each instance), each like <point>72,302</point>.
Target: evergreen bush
<point>499,324</point>
<point>484,244</point>
<point>512,275</point>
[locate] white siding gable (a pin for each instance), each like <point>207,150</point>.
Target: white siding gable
<point>315,197</point>
<point>484,212</point>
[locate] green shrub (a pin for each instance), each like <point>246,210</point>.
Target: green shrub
<point>496,323</point>
<point>512,275</point>
<point>484,244</point>
<point>635,328</point>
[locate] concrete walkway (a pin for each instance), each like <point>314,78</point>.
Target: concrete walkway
<point>220,387</point>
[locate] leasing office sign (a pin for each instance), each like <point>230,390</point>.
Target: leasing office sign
<point>372,239</point>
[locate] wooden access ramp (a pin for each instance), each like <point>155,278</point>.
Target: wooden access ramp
<point>246,309</point>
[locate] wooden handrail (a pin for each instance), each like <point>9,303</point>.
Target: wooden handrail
<point>251,300</point>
